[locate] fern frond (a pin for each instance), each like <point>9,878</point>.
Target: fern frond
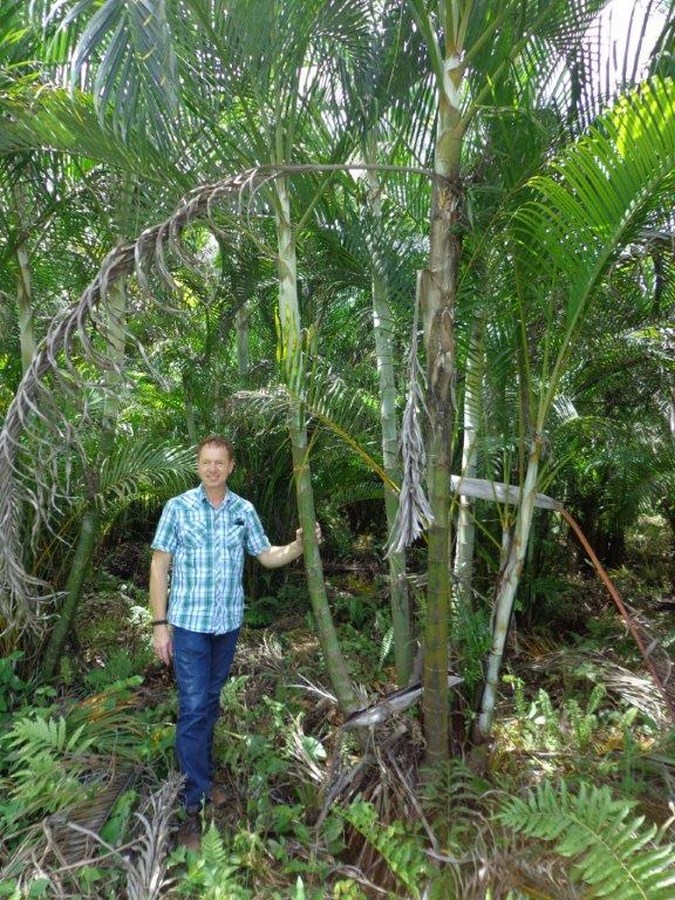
<point>401,852</point>
<point>30,736</point>
<point>613,851</point>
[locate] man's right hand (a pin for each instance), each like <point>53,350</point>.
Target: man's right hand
<point>163,643</point>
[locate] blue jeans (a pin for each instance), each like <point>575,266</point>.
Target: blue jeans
<point>201,664</point>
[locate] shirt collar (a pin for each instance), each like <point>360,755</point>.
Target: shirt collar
<point>202,498</point>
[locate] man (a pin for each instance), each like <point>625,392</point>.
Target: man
<point>201,537</point>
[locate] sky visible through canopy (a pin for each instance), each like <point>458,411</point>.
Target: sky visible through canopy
<point>621,26</point>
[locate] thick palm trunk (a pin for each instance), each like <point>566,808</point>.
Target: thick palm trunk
<point>437,286</point>
<point>506,589</point>
<point>289,315</point>
<point>384,333</point>
<point>466,531</point>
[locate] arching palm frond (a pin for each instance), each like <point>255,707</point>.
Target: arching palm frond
<point>141,469</point>
<point>595,201</point>
<point>40,408</point>
<point>51,119</point>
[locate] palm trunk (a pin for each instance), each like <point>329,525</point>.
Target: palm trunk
<point>89,529</point>
<point>78,574</point>
<point>384,332</point>
<point>190,420</point>
<point>508,585</point>
<point>24,293</point>
<point>465,539</point>
<point>289,314</point>
<point>438,285</point>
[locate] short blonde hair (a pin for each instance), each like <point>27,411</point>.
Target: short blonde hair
<point>216,440</point>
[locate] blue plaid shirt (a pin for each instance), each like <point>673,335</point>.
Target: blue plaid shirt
<point>207,546</point>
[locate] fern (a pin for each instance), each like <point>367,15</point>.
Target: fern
<point>216,873</point>
<point>31,736</point>
<point>585,723</point>
<point>613,852</point>
<point>401,851</point>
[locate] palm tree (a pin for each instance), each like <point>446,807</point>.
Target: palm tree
<point>582,219</point>
<point>472,47</point>
<point>250,88</point>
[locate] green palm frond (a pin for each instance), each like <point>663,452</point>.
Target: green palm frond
<point>125,53</point>
<point>40,117</point>
<point>613,852</point>
<point>358,493</point>
<point>144,468</point>
<point>346,412</point>
<point>594,202</point>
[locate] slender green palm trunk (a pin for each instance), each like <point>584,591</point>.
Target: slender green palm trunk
<point>190,412</point>
<point>466,531</point>
<point>507,587</point>
<point>242,327</point>
<point>383,328</point>
<point>79,571</point>
<point>438,285</point>
<point>398,585</point>
<point>289,314</point>
<point>24,283</point>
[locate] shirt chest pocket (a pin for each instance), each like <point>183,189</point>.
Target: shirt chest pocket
<point>235,536</point>
<point>193,534</point>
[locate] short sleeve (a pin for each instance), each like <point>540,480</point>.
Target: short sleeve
<point>166,535</point>
<point>256,540</point>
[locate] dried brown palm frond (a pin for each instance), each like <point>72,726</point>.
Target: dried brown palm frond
<point>37,421</point>
<point>414,514</point>
<point>471,855</point>
<point>652,640</point>
<point>66,837</point>
<point>655,658</point>
<point>515,870</point>
<point>146,872</point>
<point>62,844</point>
<point>635,689</point>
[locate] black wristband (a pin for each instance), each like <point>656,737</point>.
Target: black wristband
<point>159,622</point>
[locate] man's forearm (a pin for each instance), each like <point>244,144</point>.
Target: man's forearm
<point>158,597</point>
<point>276,557</point>
<point>159,582</point>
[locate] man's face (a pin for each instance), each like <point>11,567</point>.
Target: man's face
<point>214,466</point>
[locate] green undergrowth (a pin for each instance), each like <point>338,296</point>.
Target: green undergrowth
<point>570,797</point>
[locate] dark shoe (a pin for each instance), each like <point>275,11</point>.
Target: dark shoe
<point>190,832</point>
<point>219,797</point>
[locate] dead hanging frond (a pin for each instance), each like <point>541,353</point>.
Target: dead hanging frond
<point>38,439</point>
<point>414,513</point>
